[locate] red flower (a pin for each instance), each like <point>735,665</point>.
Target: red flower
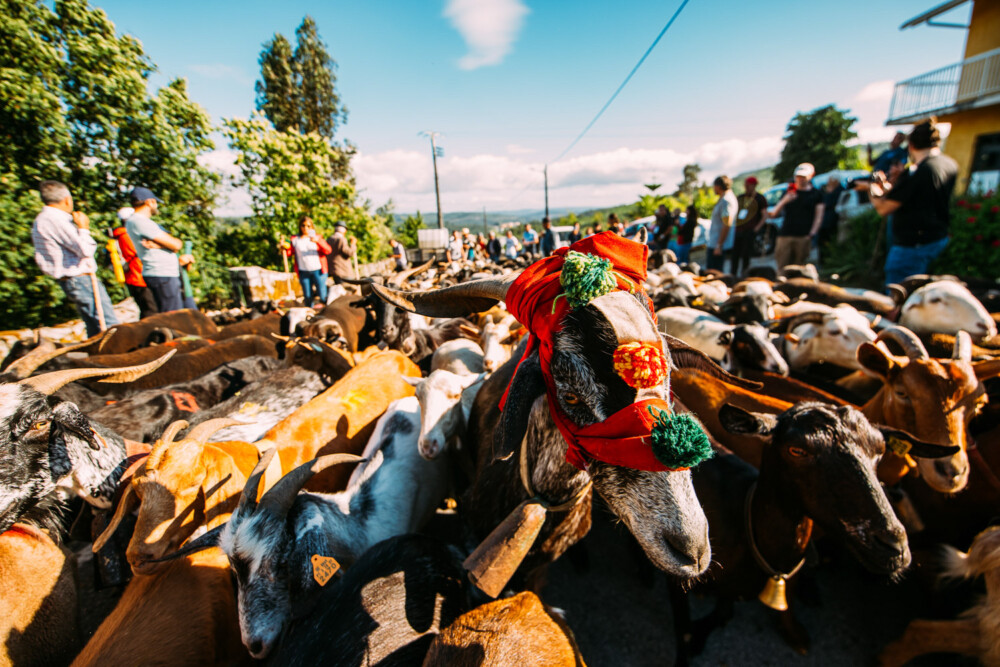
<point>995,209</point>
<point>978,237</point>
<point>976,207</point>
<point>971,219</point>
<point>961,203</point>
<point>996,243</point>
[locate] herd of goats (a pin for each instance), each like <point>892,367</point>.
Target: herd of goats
<point>340,486</point>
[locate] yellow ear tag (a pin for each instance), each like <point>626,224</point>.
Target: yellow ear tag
<point>898,446</point>
<point>324,567</point>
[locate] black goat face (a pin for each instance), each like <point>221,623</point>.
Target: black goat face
<point>751,347</point>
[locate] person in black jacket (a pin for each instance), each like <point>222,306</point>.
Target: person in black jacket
<point>493,248</point>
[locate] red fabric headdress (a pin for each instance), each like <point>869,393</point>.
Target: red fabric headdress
<point>539,300</point>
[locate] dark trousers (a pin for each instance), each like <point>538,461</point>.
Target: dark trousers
<point>144,299</point>
<point>313,284</point>
<point>166,291</point>
<point>717,262</point>
<point>742,252</point>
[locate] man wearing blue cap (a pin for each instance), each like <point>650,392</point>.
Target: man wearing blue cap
<point>157,250</point>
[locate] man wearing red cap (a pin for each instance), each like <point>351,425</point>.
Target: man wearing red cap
<point>749,220</point>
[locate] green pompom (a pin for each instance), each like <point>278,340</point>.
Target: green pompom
<point>679,441</point>
<point>586,277</point>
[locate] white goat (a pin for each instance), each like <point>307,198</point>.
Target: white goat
<point>446,400</point>
<point>947,307</point>
<point>279,546</point>
<point>734,346</point>
<point>831,337</point>
<point>461,356</point>
<point>496,342</point>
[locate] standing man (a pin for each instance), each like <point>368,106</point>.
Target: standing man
<point>664,227</point>
<point>342,251</point>
<point>493,247</point>
<point>133,267</point>
<point>720,237</point>
<point>895,153</point>
<point>919,203</point>
<point>530,238</point>
<point>455,247</point>
<point>550,239</point>
<point>803,207</point>
<point>399,254</point>
<point>157,250</point>
<point>749,220</point>
<point>64,250</point>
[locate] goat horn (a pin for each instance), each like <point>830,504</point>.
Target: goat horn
<point>171,431</point>
<point>963,347</point>
<point>471,297</point>
<point>201,432</point>
<point>27,364</point>
<point>906,339</point>
<point>49,383</point>
<point>813,317</point>
<point>279,337</point>
<point>248,499</point>
<point>280,497</point>
<point>105,338</point>
<point>683,355</point>
<point>398,279</point>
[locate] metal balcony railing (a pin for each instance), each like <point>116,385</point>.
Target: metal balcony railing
<point>961,85</point>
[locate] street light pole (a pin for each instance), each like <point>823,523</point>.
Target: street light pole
<point>437,188</point>
<point>546,171</point>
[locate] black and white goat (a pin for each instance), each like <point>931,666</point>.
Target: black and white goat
<point>271,545</point>
<point>50,451</point>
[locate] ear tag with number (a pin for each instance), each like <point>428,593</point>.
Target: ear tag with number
<point>324,567</point>
<point>898,445</point>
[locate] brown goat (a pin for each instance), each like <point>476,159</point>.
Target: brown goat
<point>519,630</point>
<point>184,615</point>
<point>38,612</point>
<point>977,632</point>
<point>131,335</point>
<point>260,326</point>
<point>342,418</point>
<point>143,354</point>
<point>180,487</point>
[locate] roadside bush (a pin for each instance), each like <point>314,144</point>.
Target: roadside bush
<point>974,248</point>
<point>859,259</point>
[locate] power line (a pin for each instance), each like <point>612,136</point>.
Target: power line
<point>625,82</point>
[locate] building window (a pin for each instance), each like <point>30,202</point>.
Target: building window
<point>985,175</point>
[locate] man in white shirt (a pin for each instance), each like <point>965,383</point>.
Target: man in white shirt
<point>722,231</point>
<point>157,250</point>
<point>64,250</point>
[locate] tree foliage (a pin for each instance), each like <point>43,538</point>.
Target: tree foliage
<point>297,91</point>
<point>687,187</point>
<point>819,137</point>
<point>407,231</point>
<point>75,106</point>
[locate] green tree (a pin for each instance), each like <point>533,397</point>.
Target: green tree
<point>297,91</point>
<point>407,231</point>
<point>277,93</point>
<point>819,137</point>
<point>75,106</point>
<point>289,175</point>
<point>687,187</point>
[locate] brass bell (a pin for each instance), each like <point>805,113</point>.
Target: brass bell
<point>773,594</point>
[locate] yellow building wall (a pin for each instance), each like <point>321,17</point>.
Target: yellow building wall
<point>961,141</point>
<point>984,29</point>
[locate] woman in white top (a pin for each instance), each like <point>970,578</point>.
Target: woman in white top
<point>510,246</point>
<point>309,251</point>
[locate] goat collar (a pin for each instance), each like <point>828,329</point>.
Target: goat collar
<point>599,270</point>
<point>757,555</point>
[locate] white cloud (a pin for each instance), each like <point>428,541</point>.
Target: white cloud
<point>489,28</point>
<point>219,71</point>
<point>507,182</point>
<point>876,91</point>
<point>515,149</point>
<point>232,201</point>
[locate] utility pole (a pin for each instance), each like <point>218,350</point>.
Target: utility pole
<point>546,172</point>
<point>434,156</point>
<point>486,228</point>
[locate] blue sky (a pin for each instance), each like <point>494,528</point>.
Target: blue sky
<point>511,83</point>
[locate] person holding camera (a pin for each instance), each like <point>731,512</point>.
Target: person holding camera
<point>308,250</point>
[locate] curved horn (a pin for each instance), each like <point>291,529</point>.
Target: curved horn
<point>963,347</point>
<point>813,317</point>
<point>906,339</point>
<point>105,338</point>
<point>50,383</point>
<point>280,497</point>
<point>203,431</point>
<point>398,279</point>
<point>683,355</point>
<point>27,364</point>
<point>205,541</point>
<point>471,297</point>
<point>248,499</point>
<point>171,431</point>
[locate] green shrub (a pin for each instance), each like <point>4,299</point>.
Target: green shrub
<point>858,260</point>
<point>974,248</point>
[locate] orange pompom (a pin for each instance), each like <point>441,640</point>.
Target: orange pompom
<point>641,365</point>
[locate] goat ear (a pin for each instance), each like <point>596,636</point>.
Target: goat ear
<point>412,381</point>
<point>902,443</point>
<point>126,504</point>
<point>737,420</point>
<point>875,360</point>
<point>526,386</point>
<point>987,370</point>
<point>206,541</point>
